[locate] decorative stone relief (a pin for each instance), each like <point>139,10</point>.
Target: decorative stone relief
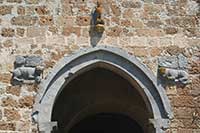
<point>98,21</point>
<point>28,69</point>
<point>174,69</point>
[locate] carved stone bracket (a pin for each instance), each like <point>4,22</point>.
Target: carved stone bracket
<point>48,127</point>
<point>173,69</point>
<point>27,69</point>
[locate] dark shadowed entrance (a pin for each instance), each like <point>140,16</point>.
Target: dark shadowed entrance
<point>100,101</point>
<point>107,123</point>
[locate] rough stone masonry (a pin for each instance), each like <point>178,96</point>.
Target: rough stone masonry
<point>147,29</point>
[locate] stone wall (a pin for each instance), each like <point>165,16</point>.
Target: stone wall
<point>147,29</point>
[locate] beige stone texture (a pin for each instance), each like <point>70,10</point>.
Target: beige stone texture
<point>147,29</point>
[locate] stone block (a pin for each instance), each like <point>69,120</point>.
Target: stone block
<point>32,1</point>
<point>171,30</point>
<point>152,9</point>
<point>137,24</point>
<point>183,101</point>
<point>174,50</point>
<point>53,29</point>
<point>140,51</point>
<point>42,10</point>
<point>14,1</point>
<point>114,31</point>
<point>155,51</point>
<point>168,62</point>
<point>150,32</point>
<point>33,61</point>
<point>29,61</point>
<point>4,10</point>
<point>115,10</point>
<point>183,112</point>
<point>71,30</point>
<point>192,32</point>
<point>154,24</point>
<point>26,101</point>
<point>131,4</point>
<point>7,43</point>
<point>30,10</point>
<point>24,20</point>
<point>23,126</point>
<point>7,32</point>
<point>128,13</point>
<point>20,60</point>
<point>183,22</point>
<point>11,114</point>
<point>9,102</point>
<point>46,20</point>
<point>194,66</point>
<point>21,10</point>
<point>83,20</point>
<point>5,77</point>
<point>125,22</point>
<point>158,1</point>
<point>182,61</point>
<point>175,62</point>
<point>7,126</point>
<point>185,130</point>
<point>35,31</point>
<point>20,32</point>
<point>195,89</point>
<point>127,32</point>
<point>13,90</point>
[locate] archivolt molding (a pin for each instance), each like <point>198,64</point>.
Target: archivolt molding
<point>111,58</point>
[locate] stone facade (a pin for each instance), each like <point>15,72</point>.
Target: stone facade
<point>147,29</point>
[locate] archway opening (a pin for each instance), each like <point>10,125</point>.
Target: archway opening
<point>98,91</point>
<point>107,123</point>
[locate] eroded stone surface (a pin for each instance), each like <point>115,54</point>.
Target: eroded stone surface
<point>147,29</point>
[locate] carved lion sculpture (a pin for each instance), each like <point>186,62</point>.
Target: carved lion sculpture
<point>28,73</point>
<point>180,76</point>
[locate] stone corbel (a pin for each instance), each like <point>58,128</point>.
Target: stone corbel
<point>48,127</point>
<point>160,125</point>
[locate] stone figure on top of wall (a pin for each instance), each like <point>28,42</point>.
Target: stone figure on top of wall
<point>28,69</point>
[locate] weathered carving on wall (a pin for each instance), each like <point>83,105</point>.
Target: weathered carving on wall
<point>28,69</point>
<point>178,76</point>
<point>173,69</point>
<point>98,21</point>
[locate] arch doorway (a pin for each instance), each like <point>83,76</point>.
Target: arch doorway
<point>96,86</point>
<point>96,97</point>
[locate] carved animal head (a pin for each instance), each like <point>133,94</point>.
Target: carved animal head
<point>162,70</point>
<point>39,69</point>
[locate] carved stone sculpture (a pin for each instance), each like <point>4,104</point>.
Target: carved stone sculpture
<point>173,69</point>
<point>28,73</point>
<point>99,23</point>
<point>178,76</point>
<point>28,69</point>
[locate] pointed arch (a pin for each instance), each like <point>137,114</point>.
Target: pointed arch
<point>115,60</point>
